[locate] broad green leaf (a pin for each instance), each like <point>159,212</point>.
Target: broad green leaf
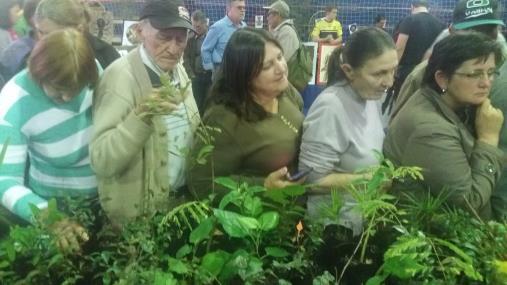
<point>178,266</point>
<point>183,251</point>
<point>164,278</point>
<point>227,183</point>
<point>213,262</point>
<point>236,225</point>
<point>233,196</point>
<point>269,221</point>
<point>203,231</point>
<point>276,251</point>
<point>252,205</point>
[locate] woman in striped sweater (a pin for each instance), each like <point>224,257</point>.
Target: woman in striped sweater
<point>45,114</point>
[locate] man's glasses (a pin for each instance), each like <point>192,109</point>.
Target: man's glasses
<point>479,75</point>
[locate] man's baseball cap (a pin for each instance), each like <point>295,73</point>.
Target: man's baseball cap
<point>471,13</point>
<point>280,7</point>
<point>164,14</point>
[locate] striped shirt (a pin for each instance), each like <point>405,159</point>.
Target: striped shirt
<point>54,136</point>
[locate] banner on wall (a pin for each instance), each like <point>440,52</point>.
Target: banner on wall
<point>325,51</point>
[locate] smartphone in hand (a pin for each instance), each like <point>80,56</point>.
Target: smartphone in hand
<point>298,175</point>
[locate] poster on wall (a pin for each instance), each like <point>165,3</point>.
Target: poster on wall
<point>129,33</point>
<point>312,46</point>
<point>259,21</point>
<point>325,51</point>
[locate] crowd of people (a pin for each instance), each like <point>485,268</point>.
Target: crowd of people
<point>80,121</point>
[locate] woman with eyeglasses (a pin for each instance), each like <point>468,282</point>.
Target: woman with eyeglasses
<point>450,129</point>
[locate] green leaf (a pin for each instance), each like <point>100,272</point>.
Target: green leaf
<point>276,251</point>
<point>203,154</point>
<point>231,197</point>
<point>178,266</point>
<point>269,221</point>
<point>236,225</point>
<point>213,262</point>
<point>183,251</point>
<point>253,206</point>
<point>164,278</point>
<point>203,231</point>
<point>227,183</point>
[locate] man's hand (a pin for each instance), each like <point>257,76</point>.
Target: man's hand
<point>70,236</point>
<point>158,103</point>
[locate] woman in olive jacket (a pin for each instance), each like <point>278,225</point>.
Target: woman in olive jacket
<point>449,128</point>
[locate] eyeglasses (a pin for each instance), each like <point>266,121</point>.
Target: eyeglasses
<point>479,75</point>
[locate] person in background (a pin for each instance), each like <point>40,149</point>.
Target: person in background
<point>201,78</point>
<point>52,15</point>
<point>14,57</point>
<point>213,47</point>
<point>282,28</point>
<point>449,127</point>
<point>45,115</point>
<point>343,127</point>
<point>328,30</point>
<point>259,115</point>
<point>139,130</point>
<point>380,21</point>
<point>10,11</point>
<point>416,33</point>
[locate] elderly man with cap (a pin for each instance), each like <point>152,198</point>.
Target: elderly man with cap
<point>283,28</point>
<point>139,131</point>
<point>484,17</point>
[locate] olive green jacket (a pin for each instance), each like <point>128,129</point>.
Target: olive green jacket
<point>428,134</point>
<point>129,156</point>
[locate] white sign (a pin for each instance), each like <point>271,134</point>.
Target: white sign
<point>259,21</point>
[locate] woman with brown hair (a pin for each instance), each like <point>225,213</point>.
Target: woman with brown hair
<point>45,115</point>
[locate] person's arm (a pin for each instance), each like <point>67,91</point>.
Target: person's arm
<point>14,195</point>
<point>338,40</point>
<point>119,133</point>
<point>401,43</point>
<point>208,45</point>
<point>321,149</point>
<point>439,152</point>
<point>316,33</point>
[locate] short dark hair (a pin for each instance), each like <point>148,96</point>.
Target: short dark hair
<point>199,16</point>
<point>379,18</point>
<point>330,8</point>
<point>450,53</point>
<point>241,64</point>
<point>419,3</point>
<point>360,47</point>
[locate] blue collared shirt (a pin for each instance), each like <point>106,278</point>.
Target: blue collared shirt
<point>214,44</point>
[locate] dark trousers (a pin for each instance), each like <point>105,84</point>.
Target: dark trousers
<point>201,84</point>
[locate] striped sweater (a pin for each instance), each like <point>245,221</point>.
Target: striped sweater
<point>54,136</point>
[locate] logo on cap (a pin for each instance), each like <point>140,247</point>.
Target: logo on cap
<point>184,13</point>
<point>478,8</point>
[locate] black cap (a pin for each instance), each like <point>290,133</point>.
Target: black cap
<point>164,14</point>
<point>471,13</point>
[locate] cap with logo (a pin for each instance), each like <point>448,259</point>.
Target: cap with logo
<point>279,7</point>
<point>471,13</point>
<point>164,14</point>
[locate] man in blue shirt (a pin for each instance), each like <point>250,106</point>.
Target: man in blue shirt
<point>219,33</point>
